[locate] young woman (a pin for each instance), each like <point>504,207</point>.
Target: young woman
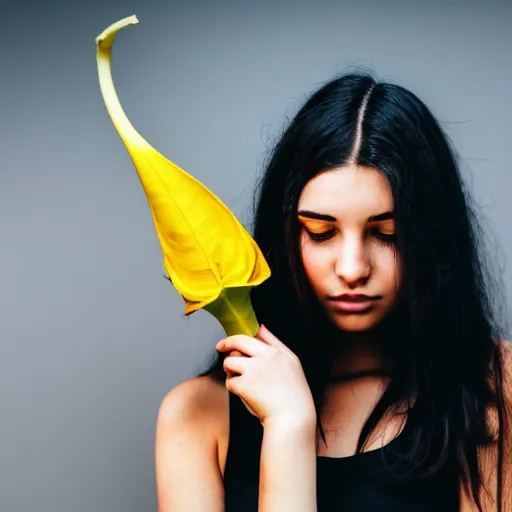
<point>380,380</point>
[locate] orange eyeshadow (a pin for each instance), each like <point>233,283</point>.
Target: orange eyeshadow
<point>387,227</point>
<point>314,225</point>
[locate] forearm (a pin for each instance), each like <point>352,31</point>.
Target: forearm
<point>288,469</point>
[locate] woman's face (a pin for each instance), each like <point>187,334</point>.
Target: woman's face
<point>348,245</point>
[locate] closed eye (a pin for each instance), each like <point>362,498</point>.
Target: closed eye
<point>319,237</point>
<point>388,238</point>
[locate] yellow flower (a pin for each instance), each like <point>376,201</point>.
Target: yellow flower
<point>208,255</point>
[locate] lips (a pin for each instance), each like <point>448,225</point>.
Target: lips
<point>353,298</point>
<point>353,303</point>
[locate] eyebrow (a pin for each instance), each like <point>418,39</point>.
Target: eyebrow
<point>322,216</point>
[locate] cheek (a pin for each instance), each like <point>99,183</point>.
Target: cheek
<point>388,264</point>
<point>315,262</point>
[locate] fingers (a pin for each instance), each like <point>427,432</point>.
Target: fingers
<point>235,364</point>
<point>244,344</point>
<point>234,353</point>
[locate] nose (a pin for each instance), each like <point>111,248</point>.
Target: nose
<point>353,263</point>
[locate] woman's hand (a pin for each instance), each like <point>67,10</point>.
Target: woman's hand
<point>269,379</point>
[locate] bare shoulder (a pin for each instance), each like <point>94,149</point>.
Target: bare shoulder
<point>489,458</point>
<point>195,400</point>
<point>505,348</point>
<point>192,418</point>
<point>505,352</point>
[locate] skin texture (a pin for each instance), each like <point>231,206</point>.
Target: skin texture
<point>193,429</point>
<point>268,376</point>
<point>359,256</point>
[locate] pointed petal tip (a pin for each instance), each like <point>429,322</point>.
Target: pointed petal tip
<point>106,38</point>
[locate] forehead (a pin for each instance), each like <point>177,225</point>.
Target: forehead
<point>348,190</point>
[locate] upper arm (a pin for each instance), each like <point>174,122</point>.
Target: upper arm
<point>488,456</point>
<point>188,478</point>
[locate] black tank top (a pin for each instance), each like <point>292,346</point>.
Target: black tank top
<point>359,483</point>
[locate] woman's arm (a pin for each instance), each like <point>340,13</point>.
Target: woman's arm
<point>188,477</point>
<point>488,456</point>
<point>288,468</point>
<point>269,378</point>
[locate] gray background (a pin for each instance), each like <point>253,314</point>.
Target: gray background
<point>91,334</point>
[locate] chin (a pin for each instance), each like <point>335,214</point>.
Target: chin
<point>356,323</point>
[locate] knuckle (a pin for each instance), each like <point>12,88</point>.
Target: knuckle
<point>273,352</point>
<point>295,360</point>
<point>233,340</point>
<point>233,385</point>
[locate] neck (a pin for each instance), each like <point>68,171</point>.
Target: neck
<point>360,353</point>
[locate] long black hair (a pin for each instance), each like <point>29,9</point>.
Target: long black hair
<point>448,364</point>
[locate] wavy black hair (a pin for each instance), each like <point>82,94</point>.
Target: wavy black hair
<point>448,365</point>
